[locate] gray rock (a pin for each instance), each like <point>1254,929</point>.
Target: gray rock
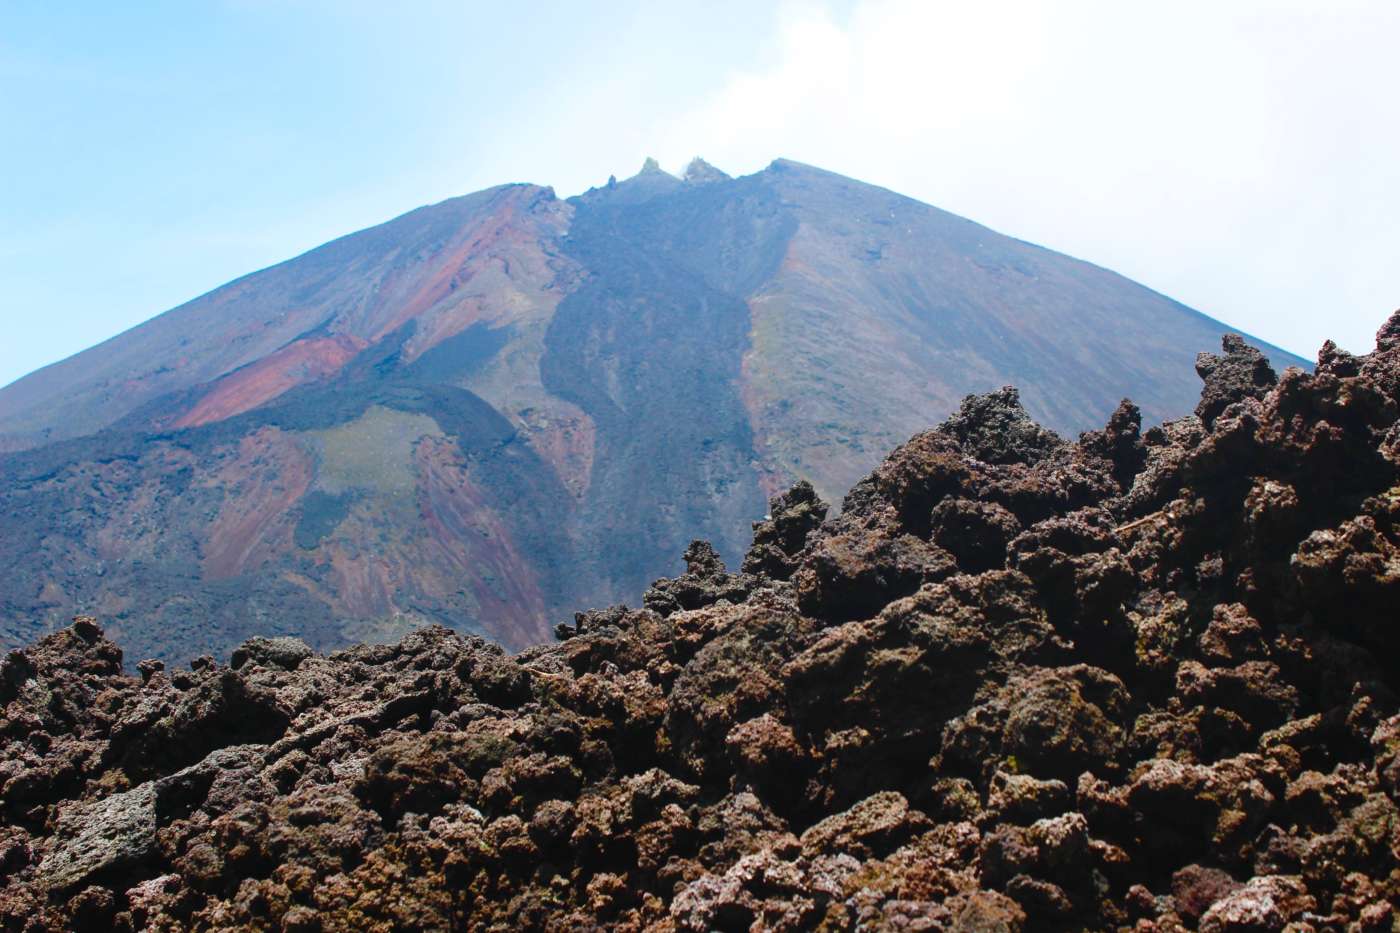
<point>284,652</point>
<point>1022,799</point>
<point>91,838</point>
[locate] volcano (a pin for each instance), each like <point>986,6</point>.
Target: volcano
<point>493,409</point>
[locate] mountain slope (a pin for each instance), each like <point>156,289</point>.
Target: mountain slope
<point>884,309</point>
<point>494,408</point>
<point>303,319</point>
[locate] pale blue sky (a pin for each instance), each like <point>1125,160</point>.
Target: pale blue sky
<point>1243,162</point>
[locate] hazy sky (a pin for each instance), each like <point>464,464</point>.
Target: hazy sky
<point>1240,156</point>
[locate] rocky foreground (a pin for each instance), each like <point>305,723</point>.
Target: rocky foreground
<point>1144,681</point>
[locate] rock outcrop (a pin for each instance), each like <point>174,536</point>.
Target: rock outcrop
<point>1142,681</point>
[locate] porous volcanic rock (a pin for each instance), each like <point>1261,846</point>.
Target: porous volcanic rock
<point>1141,681</point>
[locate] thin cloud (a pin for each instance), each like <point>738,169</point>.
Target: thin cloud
<point>1237,156</point>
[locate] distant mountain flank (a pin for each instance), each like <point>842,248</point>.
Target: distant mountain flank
<point>492,409</point>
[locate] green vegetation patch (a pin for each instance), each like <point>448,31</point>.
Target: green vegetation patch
<point>374,452</point>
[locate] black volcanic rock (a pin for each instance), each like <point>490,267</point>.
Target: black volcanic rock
<point>1241,372</point>
<point>1142,684</point>
<point>995,427</point>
